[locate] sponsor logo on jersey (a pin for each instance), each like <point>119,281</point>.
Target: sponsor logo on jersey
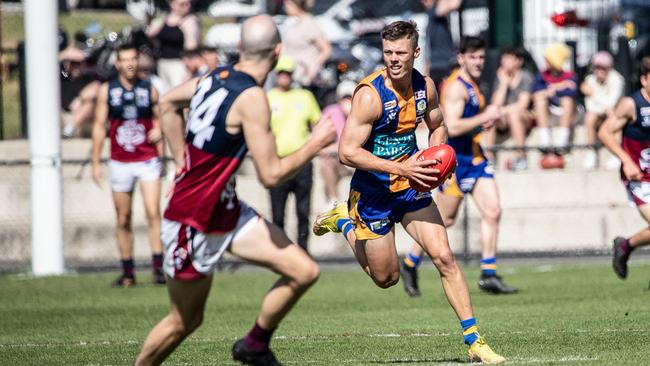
<point>128,95</point>
<point>420,94</point>
<point>141,97</point>
<point>473,98</point>
<point>391,146</point>
<point>130,112</point>
<point>421,106</point>
<point>644,160</point>
<point>467,184</point>
<point>116,96</point>
<point>377,225</point>
<point>229,195</point>
<point>645,116</point>
<point>390,104</point>
<point>130,134</point>
<point>180,255</point>
<point>422,195</point>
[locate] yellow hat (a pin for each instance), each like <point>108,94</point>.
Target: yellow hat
<point>556,55</point>
<point>285,64</point>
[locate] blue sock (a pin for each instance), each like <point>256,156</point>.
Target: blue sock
<point>489,266</point>
<point>344,226</point>
<point>470,331</point>
<point>412,260</point>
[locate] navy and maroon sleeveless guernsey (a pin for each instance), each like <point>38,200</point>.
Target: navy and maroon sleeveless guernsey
<point>204,196</point>
<point>130,117</point>
<point>636,136</point>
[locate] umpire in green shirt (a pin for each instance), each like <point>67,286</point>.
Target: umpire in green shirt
<point>293,112</point>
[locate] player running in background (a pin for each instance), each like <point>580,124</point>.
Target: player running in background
<point>379,141</point>
<point>129,106</point>
<point>463,104</point>
<point>632,116</point>
<point>229,115</point>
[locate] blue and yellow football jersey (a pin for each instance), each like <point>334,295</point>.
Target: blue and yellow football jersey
<point>472,163</point>
<point>393,134</point>
<point>378,200</point>
<point>468,144</point>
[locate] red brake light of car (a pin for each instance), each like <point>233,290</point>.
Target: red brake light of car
<point>568,18</point>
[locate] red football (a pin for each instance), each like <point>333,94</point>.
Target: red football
<point>446,157</point>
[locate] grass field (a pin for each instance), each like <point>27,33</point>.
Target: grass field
<point>566,314</point>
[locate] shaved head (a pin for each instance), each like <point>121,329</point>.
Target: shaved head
<point>259,38</point>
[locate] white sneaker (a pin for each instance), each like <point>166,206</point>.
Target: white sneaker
<point>519,165</point>
<point>591,161</point>
<point>613,163</point>
<point>69,131</point>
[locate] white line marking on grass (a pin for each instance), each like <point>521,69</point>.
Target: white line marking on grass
<point>85,343</point>
<point>545,268</point>
<point>520,360</point>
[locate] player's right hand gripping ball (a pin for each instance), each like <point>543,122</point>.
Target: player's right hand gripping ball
<point>446,165</point>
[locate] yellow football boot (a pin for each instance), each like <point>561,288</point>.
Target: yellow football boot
<point>479,351</point>
<point>326,221</point>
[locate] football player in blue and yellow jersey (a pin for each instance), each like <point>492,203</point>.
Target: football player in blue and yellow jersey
<point>378,140</point>
<point>467,117</point>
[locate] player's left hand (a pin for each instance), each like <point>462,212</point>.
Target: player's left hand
<point>154,136</point>
<point>632,171</point>
<point>98,174</point>
<point>420,171</point>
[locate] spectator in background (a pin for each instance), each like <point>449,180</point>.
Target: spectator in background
<point>177,31</point>
<point>210,56</point>
<point>194,64</point>
<point>602,90</point>
<point>330,167</point>
<point>293,112</point>
<point>554,87</point>
<point>512,93</point>
<point>146,65</point>
<point>78,91</point>
<point>304,41</point>
<point>440,49</point>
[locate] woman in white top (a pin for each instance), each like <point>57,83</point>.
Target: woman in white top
<point>602,90</point>
<point>304,41</point>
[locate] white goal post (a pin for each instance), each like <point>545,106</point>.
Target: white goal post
<point>43,99</point>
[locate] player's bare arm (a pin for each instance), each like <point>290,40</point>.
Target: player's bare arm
<point>99,132</point>
<point>434,118</point>
<point>171,118</point>
<point>623,113</point>
<point>252,109</point>
<point>454,104</point>
<point>155,134</point>
<point>366,109</point>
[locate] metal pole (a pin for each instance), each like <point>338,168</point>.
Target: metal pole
<point>465,232</point>
<point>41,47</point>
